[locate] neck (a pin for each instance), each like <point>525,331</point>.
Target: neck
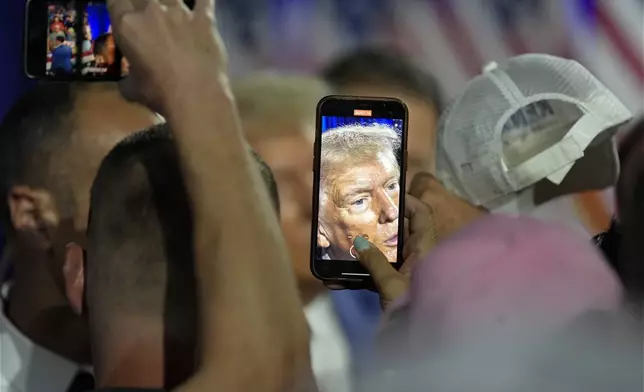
<point>132,355</point>
<point>37,308</point>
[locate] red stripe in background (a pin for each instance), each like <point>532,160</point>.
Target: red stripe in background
<point>614,33</point>
<point>459,37</point>
<point>591,206</point>
<point>513,40</point>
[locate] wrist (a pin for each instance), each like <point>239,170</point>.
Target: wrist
<point>187,98</point>
<point>204,120</point>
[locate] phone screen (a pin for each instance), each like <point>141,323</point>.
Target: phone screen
<point>98,47</point>
<point>360,177</point>
<point>61,39</point>
<point>72,40</point>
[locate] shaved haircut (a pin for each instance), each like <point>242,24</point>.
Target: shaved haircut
<point>140,255</point>
<point>32,134</point>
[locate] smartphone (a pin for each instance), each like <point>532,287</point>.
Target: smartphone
<point>359,170</point>
<point>72,41</point>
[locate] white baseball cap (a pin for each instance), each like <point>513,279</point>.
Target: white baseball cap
<point>535,121</point>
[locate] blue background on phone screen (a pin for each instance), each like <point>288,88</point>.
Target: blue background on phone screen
<point>330,122</point>
<point>98,19</point>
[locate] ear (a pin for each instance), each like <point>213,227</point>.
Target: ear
<point>324,240</point>
<point>73,272</point>
<point>33,212</point>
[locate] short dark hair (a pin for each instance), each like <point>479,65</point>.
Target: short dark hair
<point>100,43</point>
<point>60,38</point>
<point>384,66</point>
<point>31,133</point>
<point>140,231</point>
<point>630,202</point>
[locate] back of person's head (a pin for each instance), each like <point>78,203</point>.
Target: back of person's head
<point>385,67</point>
<point>52,142</point>
<point>276,105</point>
<point>140,228</point>
<point>140,265</point>
<point>383,72</point>
<point>140,233</point>
<point>32,132</point>
<point>630,208</point>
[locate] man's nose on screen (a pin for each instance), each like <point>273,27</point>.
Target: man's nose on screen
<point>387,208</point>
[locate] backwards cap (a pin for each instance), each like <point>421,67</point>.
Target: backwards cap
<point>532,118</point>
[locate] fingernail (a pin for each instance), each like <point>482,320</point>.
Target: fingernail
<point>361,243</point>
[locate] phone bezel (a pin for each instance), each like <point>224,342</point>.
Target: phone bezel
<point>35,43</point>
<point>340,105</point>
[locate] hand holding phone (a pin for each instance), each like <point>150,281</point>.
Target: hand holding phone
<point>420,237</point>
<point>173,49</point>
<point>359,183</point>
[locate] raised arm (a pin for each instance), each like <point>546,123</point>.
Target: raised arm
<point>254,333</point>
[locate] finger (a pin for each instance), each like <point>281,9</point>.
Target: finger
<point>129,88</point>
<point>140,5</point>
<point>409,246</point>
<point>117,10</point>
<point>385,277</point>
<point>415,207</point>
<point>420,215</point>
<point>205,8</point>
<point>409,264</point>
<point>421,183</point>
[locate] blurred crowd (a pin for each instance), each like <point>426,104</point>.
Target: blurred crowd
<point>158,230</point>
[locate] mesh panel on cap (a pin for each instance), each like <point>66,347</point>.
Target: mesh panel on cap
<point>552,76</point>
<point>470,158</point>
<point>466,133</point>
<point>549,76</point>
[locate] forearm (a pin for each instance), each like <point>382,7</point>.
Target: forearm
<point>236,235</point>
<point>233,216</point>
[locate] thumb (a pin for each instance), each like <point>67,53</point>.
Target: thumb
<point>387,280</point>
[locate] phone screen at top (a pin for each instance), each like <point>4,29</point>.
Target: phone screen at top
<point>359,183</point>
<point>71,40</point>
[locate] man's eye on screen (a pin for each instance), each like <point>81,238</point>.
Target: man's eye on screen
<point>393,186</point>
<point>359,205</point>
<point>359,202</point>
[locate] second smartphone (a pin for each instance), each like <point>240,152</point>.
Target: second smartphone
<point>359,183</point>
<point>72,41</point>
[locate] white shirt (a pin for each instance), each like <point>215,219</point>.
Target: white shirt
<point>26,367</point>
<point>330,356</point>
